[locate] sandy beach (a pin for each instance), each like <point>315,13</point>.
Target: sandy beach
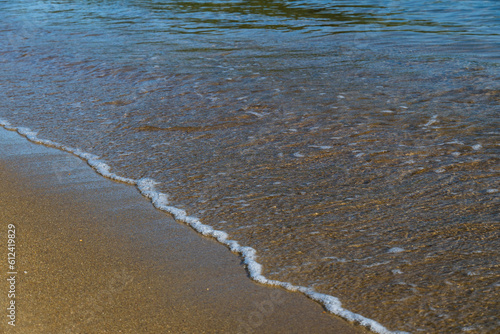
<point>349,152</point>
<point>94,256</point>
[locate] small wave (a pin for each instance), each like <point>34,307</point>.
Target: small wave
<point>146,187</point>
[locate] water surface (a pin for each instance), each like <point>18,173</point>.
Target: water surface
<point>353,144</point>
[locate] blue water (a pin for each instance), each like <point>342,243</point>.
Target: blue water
<point>353,144</point>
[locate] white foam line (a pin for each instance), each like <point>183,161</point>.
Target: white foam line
<point>93,160</point>
<point>146,187</point>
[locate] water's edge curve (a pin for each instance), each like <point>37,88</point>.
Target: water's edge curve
<point>146,187</point>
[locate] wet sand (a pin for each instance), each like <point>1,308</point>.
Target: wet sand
<point>94,256</point>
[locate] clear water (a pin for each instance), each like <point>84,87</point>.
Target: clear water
<point>353,144</point>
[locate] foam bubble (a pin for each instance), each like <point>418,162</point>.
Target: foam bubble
<point>255,114</point>
<point>431,121</point>
<point>323,147</point>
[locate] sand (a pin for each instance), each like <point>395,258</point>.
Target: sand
<point>94,256</point>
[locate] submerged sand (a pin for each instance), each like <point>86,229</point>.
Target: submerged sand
<point>94,256</point>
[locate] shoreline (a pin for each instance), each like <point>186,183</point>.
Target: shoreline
<point>93,254</point>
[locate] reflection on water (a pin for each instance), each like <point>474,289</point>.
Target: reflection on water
<point>469,17</point>
<point>353,144</point>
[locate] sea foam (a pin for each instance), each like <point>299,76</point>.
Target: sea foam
<point>146,187</point>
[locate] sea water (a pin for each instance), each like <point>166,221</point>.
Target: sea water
<point>352,146</point>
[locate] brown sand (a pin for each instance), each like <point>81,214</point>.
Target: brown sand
<point>94,256</point>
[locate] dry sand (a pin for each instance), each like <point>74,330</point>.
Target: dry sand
<point>94,256</point>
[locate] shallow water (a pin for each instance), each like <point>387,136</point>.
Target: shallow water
<point>354,145</point>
